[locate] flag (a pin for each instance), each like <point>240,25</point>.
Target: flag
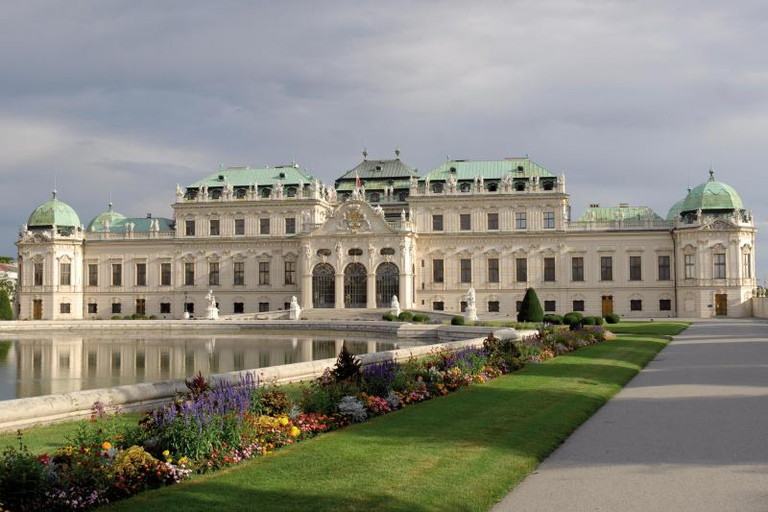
<point>358,183</point>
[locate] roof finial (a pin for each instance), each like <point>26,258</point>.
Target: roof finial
<point>221,166</point>
<point>365,153</point>
<point>110,206</point>
<point>397,152</point>
<point>54,193</point>
<point>448,157</point>
<point>711,173</point>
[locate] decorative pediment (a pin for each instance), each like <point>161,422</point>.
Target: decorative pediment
<point>719,225</point>
<point>354,217</point>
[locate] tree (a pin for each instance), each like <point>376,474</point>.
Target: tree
<point>530,309</point>
<point>347,366</point>
<point>6,313</point>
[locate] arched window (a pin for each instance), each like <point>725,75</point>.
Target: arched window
<point>437,188</point>
<point>323,286</point>
<point>266,192</point>
<point>216,193</point>
<point>240,193</point>
<point>465,187</point>
<point>291,192</point>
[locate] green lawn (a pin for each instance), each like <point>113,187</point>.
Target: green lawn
<point>461,452</point>
<point>647,327</point>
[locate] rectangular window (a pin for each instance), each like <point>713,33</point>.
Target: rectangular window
<point>93,274</point>
<point>578,305</point>
<point>463,306</point>
<point>93,308</point>
<point>493,306</point>
<point>493,221</point>
<point>520,220</point>
<point>65,276</point>
<point>141,307</point>
<point>521,270</point>
<point>635,268</point>
<point>65,308</point>
<point>189,274</point>
<point>239,226</point>
<point>606,268</point>
<point>437,223</point>
<point>165,274</point>
<point>465,222</point>
<point>549,269</point>
<point>550,306</point>
<point>117,274</point>
<point>263,307</point>
<point>290,272</point>
<point>239,307</point>
<point>263,272</point>
<point>549,220</point>
<point>466,271</point>
<point>493,270</point>
<point>214,226</point>
<point>747,264</point>
<point>636,305</point>
<point>141,274</point>
<point>438,306</point>
<point>720,266</point>
<point>189,228</point>
<point>213,273</point>
<point>264,226</point>
<point>665,305</point>
<point>38,274</point>
<point>165,308</point>
<point>239,273</point>
<point>518,305</point>
<point>664,270</point>
<point>117,308</point>
<point>290,225</point>
<point>577,269</point>
<point>690,266</point>
<point>438,274</point>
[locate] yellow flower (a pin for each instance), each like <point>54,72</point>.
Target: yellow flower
<point>295,431</point>
<point>166,453</point>
<point>284,420</point>
<point>106,445</point>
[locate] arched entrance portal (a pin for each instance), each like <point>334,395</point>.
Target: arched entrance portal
<point>355,286</point>
<point>387,284</point>
<point>323,286</point>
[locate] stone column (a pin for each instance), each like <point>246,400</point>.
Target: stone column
<point>371,291</point>
<point>339,291</point>
<point>306,291</point>
<point>406,294</point>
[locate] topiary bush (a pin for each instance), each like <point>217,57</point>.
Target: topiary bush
<point>405,316</point>
<point>530,309</point>
<point>421,318</point>
<point>599,320</point>
<point>6,313</point>
<point>612,318</point>
<point>574,317</point>
<point>588,320</point>
<point>389,317</point>
<point>553,319</point>
<point>457,320</point>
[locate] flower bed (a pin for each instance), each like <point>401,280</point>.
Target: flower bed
<point>213,426</point>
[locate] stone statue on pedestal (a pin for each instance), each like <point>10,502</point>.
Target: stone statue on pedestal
<point>211,311</point>
<point>295,309</point>
<point>395,310</point>
<point>470,314</point>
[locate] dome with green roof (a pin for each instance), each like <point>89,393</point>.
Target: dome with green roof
<point>674,212</point>
<point>110,217</point>
<point>53,212</point>
<point>712,196</point>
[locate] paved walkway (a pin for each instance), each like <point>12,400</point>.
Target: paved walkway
<point>690,432</point>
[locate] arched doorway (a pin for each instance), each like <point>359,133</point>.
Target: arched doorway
<point>355,286</point>
<point>323,286</point>
<point>387,284</point>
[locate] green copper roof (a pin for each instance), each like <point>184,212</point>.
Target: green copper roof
<point>621,212</point>
<point>110,216</point>
<point>378,170</point>
<point>245,176</point>
<point>374,184</point>
<point>53,212</point>
<point>140,225</point>
<point>676,209</point>
<point>712,195</point>
<point>489,169</point>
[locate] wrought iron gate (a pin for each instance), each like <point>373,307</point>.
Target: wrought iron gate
<point>387,284</point>
<point>323,286</point>
<point>355,286</point>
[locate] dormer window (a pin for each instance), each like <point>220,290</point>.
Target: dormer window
<point>493,187</point>
<point>266,192</point>
<point>292,192</point>
<point>240,193</point>
<point>437,188</point>
<point>465,187</point>
<point>216,194</point>
<point>282,175</point>
<point>519,186</point>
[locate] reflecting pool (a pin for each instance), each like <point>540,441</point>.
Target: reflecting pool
<point>60,363</point>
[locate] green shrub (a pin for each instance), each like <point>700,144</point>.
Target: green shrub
<point>573,317</point>
<point>115,317</point>
<point>457,320</point>
<point>588,320</point>
<point>421,318</point>
<point>530,309</point>
<point>152,317</point>
<point>274,402</point>
<point>405,316</point>
<point>612,318</point>
<point>389,317</point>
<point>127,317</point>
<point>23,479</point>
<point>553,319</point>
<point>599,320</point>
<point>502,353</point>
<point>6,313</point>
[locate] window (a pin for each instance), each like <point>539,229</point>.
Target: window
<point>239,226</point>
<point>720,266</point>
<point>493,306</point>
<point>290,272</point>
<point>165,274</point>
<point>493,270</point>
<point>189,274</point>
<point>264,226</point>
<point>606,268</point>
<point>746,260</point>
<point>636,305</point>
<point>664,274</point>
<point>438,306</point>
<point>549,269</point>
<point>239,273</point>
<point>290,225</point>
<point>264,273</point>
<point>550,305</point>
<point>521,270</point>
<point>141,307</point>
<point>239,307</point>
<point>263,307</point>
<point>214,225</point>
<point>578,305</point>
<point>689,266</point>
<point>577,269</point>
<point>465,221</point>
<point>520,220</point>
<point>93,308</point>
<point>438,275</point>
<point>213,273</point>
<point>189,307</point>
<point>635,268</point>
<point>117,308</point>
<point>665,305</point>
<point>437,188</point>
<point>518,305</point>
<point>549,220</point>
<point>93,274</point>
<point>463,306</point>
<point>466,271</point>
<point>165,308</point>
<point>493,221</point>
<point>65,308</point>
<point>189,228</point>
<point>38,274</point>
<point>117,274</point>
<point>141,274</point>
<point>65,276</point>
<point>437,223</point>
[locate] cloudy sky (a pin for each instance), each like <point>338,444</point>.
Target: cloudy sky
<point>632,100</point>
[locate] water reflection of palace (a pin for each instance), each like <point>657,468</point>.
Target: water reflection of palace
<point>51,365</point>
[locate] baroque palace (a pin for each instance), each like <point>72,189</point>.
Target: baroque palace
<point>258,237</point>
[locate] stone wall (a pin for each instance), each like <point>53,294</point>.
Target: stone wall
<point>760,307</point>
